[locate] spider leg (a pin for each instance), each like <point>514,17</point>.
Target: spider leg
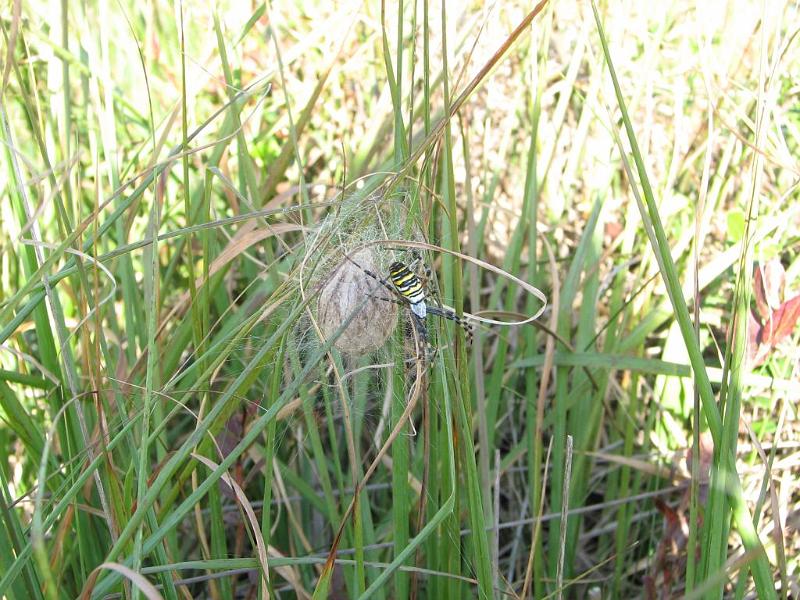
<point>416,262</point>
<point>374,276</point>
<point>392,300</point>
<point>432,292</point>
<point>414,266</point>
<point>419,324</point>
<point>415,253</point>
<point>397,298</point>
<point>452,316</point>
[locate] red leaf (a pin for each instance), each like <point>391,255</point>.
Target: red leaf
<point>753,337</point>
<point>613,229</point>
<point>774,282</point>
<point>760,294</point>
<point>768,285</point>
<point>782,322</point>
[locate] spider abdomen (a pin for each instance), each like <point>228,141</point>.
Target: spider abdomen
<point>410,287</point>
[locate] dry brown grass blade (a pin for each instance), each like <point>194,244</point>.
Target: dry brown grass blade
<point>261,549</point>
<point>11,42</point>
<point>438,129</point>
<point>139,580</point>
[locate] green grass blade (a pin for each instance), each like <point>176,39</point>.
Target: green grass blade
<point>760,566</point>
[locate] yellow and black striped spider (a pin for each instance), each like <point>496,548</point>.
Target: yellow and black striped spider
<point>408,290</point>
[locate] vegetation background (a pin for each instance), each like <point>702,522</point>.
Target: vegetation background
<point>182,179</point>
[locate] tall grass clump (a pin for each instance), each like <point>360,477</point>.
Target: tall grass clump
<point>210,389</point>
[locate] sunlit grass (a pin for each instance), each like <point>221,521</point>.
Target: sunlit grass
<point>180,183</point>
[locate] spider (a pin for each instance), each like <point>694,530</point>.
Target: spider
<point>404,282</point>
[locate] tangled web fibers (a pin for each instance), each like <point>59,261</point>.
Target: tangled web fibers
<point>335,257</point>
